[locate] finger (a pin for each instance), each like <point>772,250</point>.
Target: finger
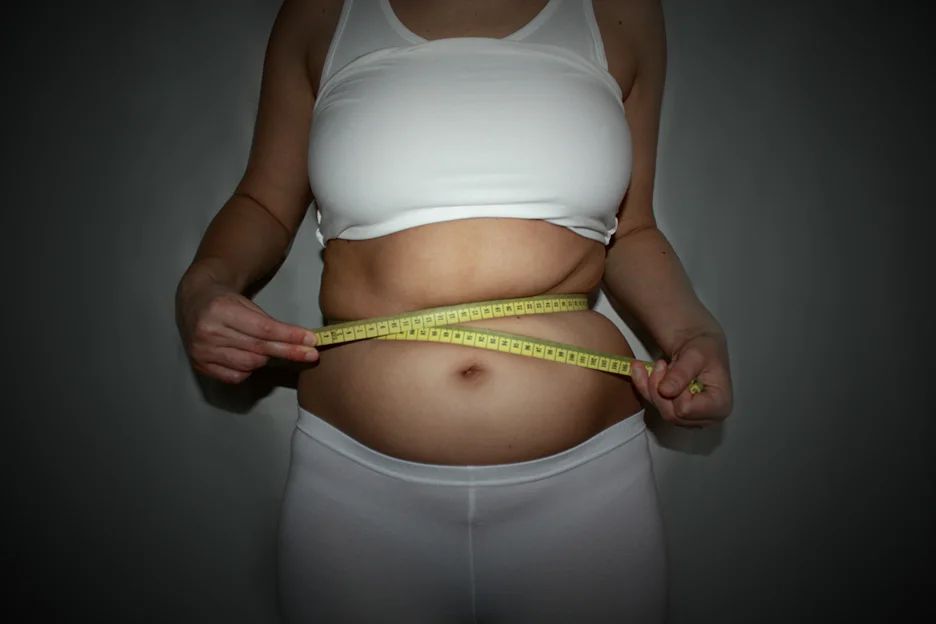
<point>685,416</point>
<point>708,405</point>
<point>220,373</point>
<point>234,359</point>
<point>662,404</point>
<point>641,380</point>
<point>258,325</point>
<point>681,405</point>
<point>682,371</point>
<point>228,337</point>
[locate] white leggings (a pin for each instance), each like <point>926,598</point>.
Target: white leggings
<point>574,537</point>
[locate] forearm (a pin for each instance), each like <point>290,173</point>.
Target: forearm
<point>243,244</point>
<point>644,274</point>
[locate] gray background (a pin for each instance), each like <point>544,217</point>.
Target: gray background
<point>795,142</point>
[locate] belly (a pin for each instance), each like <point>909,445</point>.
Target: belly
<point>449,404</point>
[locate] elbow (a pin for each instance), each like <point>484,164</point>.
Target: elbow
<point>635,215</point>
<point>631,227</point>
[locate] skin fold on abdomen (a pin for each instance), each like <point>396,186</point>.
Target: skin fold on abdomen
<point>450,404</point>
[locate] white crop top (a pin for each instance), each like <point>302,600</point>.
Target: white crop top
<point>408,132</point>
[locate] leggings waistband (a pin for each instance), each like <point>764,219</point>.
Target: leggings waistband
<point>498,474</point>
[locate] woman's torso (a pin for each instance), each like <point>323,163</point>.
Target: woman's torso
<point>459,405</point>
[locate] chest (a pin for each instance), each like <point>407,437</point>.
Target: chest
<point>497,19</point>
<point>466,18</point>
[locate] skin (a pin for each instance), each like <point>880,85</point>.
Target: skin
<point>442,403</point>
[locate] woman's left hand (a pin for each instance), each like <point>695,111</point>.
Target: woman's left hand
<point>704,355</point>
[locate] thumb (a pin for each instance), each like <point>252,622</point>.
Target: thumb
<point>681,372</point>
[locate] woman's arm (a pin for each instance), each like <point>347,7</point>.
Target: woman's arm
<point>251,233</point>
<point>643,272</point>
<point>226,335</point>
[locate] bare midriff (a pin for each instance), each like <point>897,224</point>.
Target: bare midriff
<point>449,404</point>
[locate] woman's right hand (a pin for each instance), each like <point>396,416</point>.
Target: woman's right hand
<point>227,336</point>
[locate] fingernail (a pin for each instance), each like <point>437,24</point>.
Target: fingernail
<point>311,356</point>
<point>310,340</point>
<point>668,386</point>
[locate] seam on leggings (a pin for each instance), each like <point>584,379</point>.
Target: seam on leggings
<point>501,481</point>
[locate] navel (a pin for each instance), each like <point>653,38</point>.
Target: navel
<point>472,371</point>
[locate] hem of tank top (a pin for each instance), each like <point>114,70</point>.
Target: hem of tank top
<point>584,232</point>
<point>606,240</point>
<point>526,210</point>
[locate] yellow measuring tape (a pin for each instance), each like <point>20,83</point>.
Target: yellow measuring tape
<point>440,325</point>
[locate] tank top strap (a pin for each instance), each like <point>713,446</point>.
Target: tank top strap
<point>571,24</point>
<point>363,27</point>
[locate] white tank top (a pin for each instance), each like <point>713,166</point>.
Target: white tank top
<point>408,132</point>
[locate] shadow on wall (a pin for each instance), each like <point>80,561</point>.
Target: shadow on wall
<point>241,398</point>
<point>689,441</point>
